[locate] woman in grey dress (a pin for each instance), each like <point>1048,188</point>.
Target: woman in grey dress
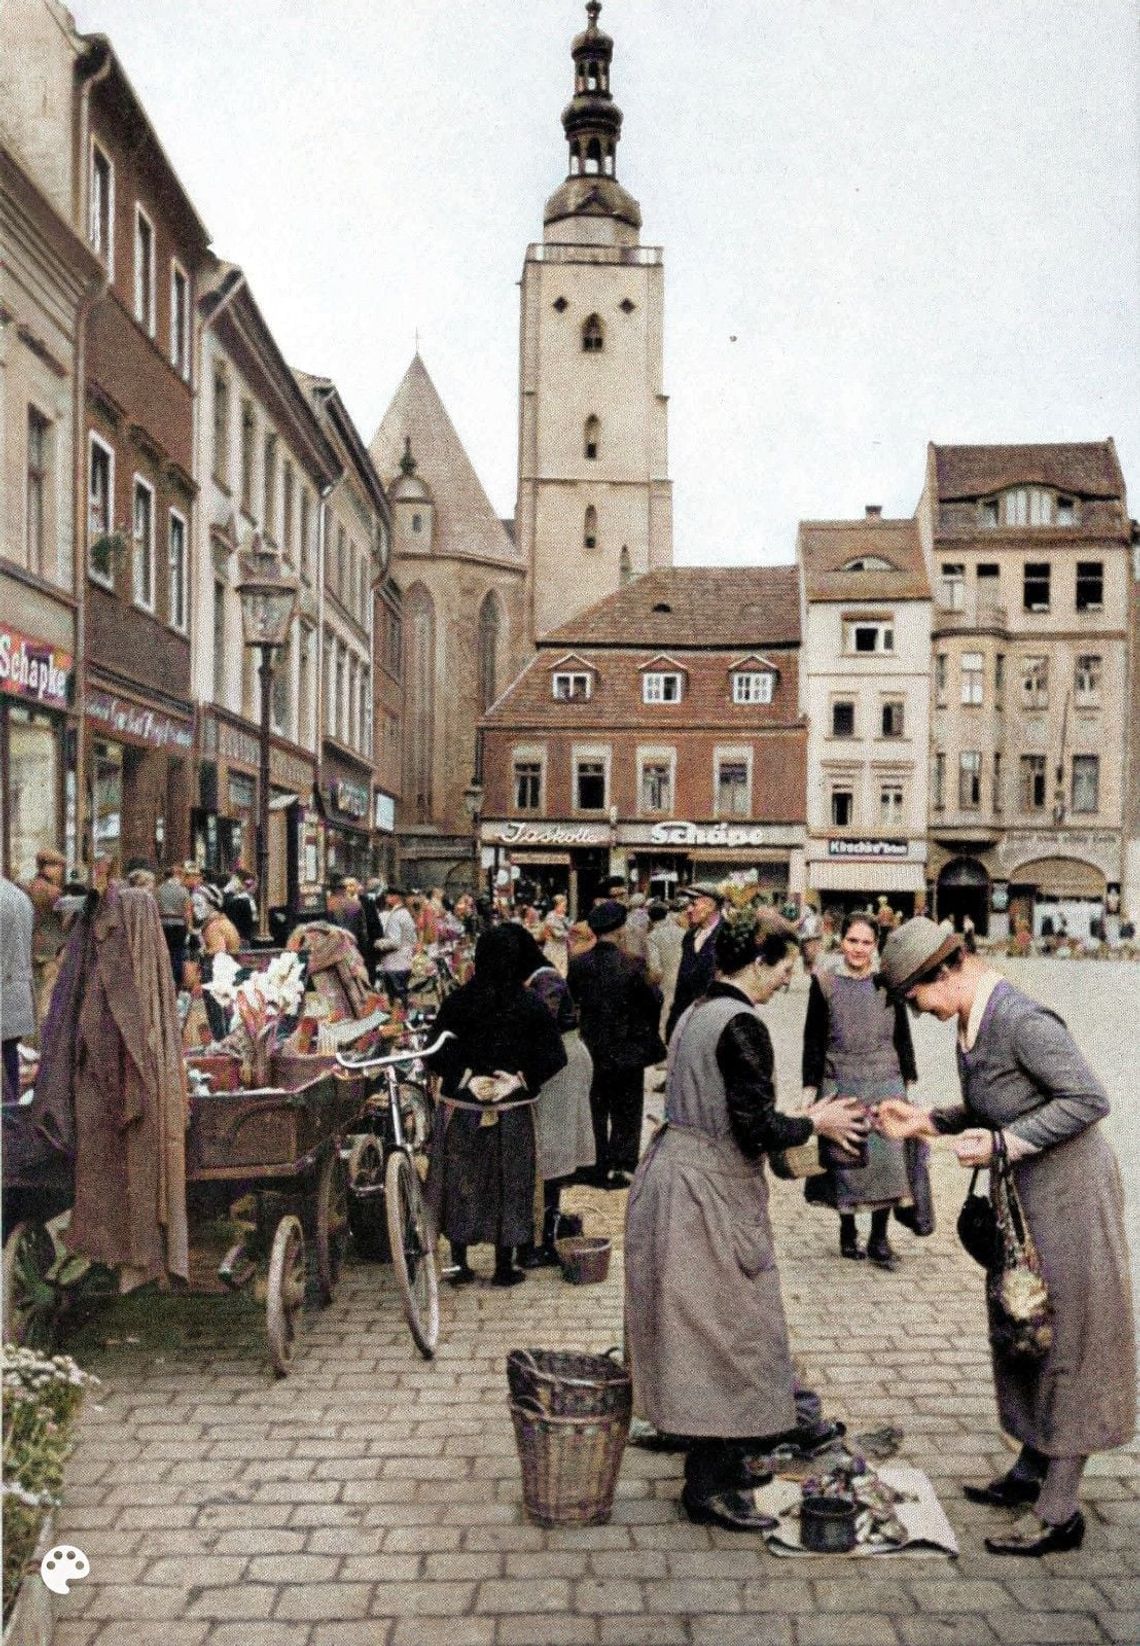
<point>857,1043</point>
<point>1021,1073</point>
<point>704,1318</point>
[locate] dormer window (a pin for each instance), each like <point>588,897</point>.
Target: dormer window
<point>753,686</point>
<point>1027,506</point>
<point>572,687</point>
<point>660,687</point>
<point>869,563</point>
<point>593,335</point>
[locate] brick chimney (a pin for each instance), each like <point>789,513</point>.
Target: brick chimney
<point>874,511</point>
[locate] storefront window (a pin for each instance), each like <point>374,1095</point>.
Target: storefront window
<point>243,800</point>
<point>107,779</point>
<point>33,789</point>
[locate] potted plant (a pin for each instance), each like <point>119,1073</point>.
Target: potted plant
<point>41,1402</point>
<point>107,552</point>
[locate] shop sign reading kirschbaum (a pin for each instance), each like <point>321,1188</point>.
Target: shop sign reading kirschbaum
<point>34,669</point>
<point>868,848</point>
<point>138,725</point>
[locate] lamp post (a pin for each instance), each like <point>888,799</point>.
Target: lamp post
<point>473,800</point>
<point>268,595</point>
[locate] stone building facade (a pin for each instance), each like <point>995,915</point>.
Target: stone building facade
<point>594,497</point>
<point>264,466</point>
<point>866,694</point>
<point>657,735</point>
<point>463,628</point>
<point>48,280</point>
<point>1029,553</point>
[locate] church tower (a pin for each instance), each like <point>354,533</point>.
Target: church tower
<point>594,500</point>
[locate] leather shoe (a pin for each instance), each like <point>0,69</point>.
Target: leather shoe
<point>1035,1538</point>
<point>540,1257</point>
<point>618,1180</point>
<point>462,1275</point>
<point>852,1249</point>
<point>1008,1491</point>
<point>880,1254</point>
<point>735,1511</point>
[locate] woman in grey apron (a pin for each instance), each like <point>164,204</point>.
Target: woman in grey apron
<point>857,1043</point>
<point>704,1317</point>
<point>1021,1073</point>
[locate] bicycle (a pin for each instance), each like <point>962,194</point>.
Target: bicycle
<point>382,1165</point>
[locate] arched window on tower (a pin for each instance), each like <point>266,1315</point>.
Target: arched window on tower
<point>591,76</point>
<point>590,534</point>
<point>592,440</point>
<point>609,165</point>
<point>419,721</point>
<point>490,625</point>
<point>593,336</point>
<point>594,158</point>
<point>625,566</point>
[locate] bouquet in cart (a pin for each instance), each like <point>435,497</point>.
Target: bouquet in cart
<point>264,1006</point>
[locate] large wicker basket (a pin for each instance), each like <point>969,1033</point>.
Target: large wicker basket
<point>571,1414</point>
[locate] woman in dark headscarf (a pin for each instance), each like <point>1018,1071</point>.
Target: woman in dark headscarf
<point>563,1125</point>
<point>482,1177</point>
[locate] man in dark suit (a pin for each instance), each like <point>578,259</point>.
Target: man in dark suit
<point>695,973</point>
<point>619,1011</point>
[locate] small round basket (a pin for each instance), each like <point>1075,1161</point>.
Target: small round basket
<point>585,1259</point>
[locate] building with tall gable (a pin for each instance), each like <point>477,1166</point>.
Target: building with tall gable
<point>1029,549</point>
<point>595,504</point>
<point>463,630</point>
<point>866,694</point>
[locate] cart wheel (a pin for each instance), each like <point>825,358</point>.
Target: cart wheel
<point>331,1223</point>
<point>366,1216</point>
<point>286,1293</point>
<point>30,1300</point>
<point>413,1251</point>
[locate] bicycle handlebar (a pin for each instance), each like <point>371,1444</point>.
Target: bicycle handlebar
<point>365,1065</point>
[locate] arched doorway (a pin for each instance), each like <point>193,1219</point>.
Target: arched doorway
<point>1067,895</point>
<point>964,889</point>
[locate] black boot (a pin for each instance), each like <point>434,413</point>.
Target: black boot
<point>849,1238</point>
<point>879,1247</point>
<point>462,1274</point>
<point>505,1272</point>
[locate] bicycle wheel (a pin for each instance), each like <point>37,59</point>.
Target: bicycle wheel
<point>413,1251</point>
<point>418,1116</point>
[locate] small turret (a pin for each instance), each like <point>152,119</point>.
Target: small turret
<point>413,508</point>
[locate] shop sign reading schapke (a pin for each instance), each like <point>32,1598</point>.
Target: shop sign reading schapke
<point>708,834</point>
<point>34,669</point>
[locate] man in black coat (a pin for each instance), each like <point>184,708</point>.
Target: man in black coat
<point>619,1011</point>
<point>695,973</point>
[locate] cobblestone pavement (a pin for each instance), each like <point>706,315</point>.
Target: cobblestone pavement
<point>374,1500</point>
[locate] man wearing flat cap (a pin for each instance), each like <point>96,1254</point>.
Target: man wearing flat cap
<point>695,973</point>
<point>619,1012</point>
<point>45,891</point>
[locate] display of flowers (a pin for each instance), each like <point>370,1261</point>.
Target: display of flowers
<point>258,1001</point>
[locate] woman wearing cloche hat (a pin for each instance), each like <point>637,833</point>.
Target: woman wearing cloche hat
<point>1022,1074</point>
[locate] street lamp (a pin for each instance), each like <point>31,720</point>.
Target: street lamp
<point>268,595</point>
<point>473,800</point>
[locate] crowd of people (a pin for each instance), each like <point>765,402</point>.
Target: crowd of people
<point>552,1025</point>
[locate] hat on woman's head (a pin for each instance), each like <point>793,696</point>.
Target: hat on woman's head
<point>915,947</point>
<point>607,916</point>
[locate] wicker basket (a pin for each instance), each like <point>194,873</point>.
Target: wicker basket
<point>569,1465</point>
<point>585,1259</point>
<point>562,1383</point>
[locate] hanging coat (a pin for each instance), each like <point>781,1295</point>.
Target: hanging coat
<point>1025,1074</point>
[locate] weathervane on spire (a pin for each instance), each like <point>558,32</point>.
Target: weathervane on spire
<point>593,10</point>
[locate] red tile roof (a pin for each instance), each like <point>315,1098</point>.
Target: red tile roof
<point>1088,470</point>
<point>825,547</point>
<point>692,606</point>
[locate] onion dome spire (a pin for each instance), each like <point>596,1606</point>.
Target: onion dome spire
<point>592,123</point>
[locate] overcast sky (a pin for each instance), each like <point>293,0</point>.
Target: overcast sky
<point>884,221</point>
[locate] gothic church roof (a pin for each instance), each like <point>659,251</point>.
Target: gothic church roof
<point>466,525</point>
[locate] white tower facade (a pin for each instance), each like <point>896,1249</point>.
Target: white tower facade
<point>595,503</point>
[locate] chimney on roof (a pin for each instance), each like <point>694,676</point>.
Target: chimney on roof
<point>874,511</point>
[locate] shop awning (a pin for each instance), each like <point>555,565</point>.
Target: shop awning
<point>737,854</point>
<point>520,854</point>
<point>872,876</point>
<point>1060,877</point>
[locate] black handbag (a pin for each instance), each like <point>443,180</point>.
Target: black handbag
<point>977,1221</point>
